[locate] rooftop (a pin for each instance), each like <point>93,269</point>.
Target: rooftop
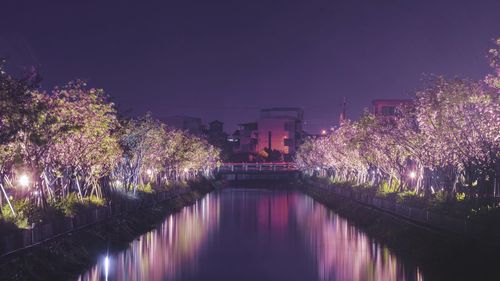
<point>281,109</point>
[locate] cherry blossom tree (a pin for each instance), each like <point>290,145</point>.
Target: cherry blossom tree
<point>448,138</point>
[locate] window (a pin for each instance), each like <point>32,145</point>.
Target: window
<point>388,110</point>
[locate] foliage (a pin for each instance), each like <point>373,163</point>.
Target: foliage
<point>406,195</point>
<point>146,188</point>
<point>69,205</point>
<point>77,153</point>
<point>27,213</point>
<point>158,155</point>
<point>386,188</point>
<point>460,196</point>
<point>72,205</point>
<point>446,138</point>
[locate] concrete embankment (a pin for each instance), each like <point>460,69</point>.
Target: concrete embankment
<point>64,257</point>
<point>442,255</point>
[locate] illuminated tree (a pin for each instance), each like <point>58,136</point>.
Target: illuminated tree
<point>448,138</point>
<point>87,149</point>
<point>460,120</point>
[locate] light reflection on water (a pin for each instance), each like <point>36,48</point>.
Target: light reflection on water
<point>210,240</point>
<point>167,253</point>
<point>342,251</point>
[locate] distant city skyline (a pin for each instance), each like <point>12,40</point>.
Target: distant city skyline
<point>226,60</point>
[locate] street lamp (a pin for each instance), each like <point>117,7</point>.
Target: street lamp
<point>24,180</point>
<point>413,175</point>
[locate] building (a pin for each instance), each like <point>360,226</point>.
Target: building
<point>245,138</point>
<point>388,107</point>
<point>216,136</point>
<point>216,127</point>
<point>190,124</point>
<point>280,128</point>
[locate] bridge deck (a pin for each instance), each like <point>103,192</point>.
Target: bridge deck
<point>257,171</point>
<point>257,167</point>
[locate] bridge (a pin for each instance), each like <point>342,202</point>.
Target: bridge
<point>256,167</point>
<point>277,171</point>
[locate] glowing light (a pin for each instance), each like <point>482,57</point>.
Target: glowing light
<point>432,189</point>
<point>149,172</point>
<point>24,180</point>
<point>323,132</point>
<point>118,183</point>
<point>413,175</point>
<point>186,170</point>
<point>106,267</point>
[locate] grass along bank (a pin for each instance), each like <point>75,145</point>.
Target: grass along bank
<point>474,213</point>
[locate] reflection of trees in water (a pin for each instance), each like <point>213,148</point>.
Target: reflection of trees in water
<point>167,252</point>
<point>343,252</point>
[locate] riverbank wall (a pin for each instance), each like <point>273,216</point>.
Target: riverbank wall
<point>423,217</point>
<point>49,255</point>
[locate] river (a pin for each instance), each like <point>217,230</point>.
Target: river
<point>254,235</point>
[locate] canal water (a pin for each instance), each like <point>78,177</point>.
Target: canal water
<point>254,235</point>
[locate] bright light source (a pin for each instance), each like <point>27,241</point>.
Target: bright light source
<point>106,267</point>
<point>323,132</point>
<point>413,175</point>
<point>186,170</point>
<point>149,172</point>
<point>24,180</point>
<point>118,182</point>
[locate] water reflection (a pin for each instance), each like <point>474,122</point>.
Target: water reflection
<point>342,251</point>
<point>255,235</point>
<point>168,253</point>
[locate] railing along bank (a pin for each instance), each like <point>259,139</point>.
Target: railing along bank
<point>463,227</point>
<point>24,238</point>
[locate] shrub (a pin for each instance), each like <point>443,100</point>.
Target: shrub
<point>71,204</point>
<point>96,201</point>
<point>439,197</point>
<point>460,196</point>
<point>385,188</point>
<point>146,188</point>
<point>27,212</point>
<point>406,195</point>
<point>68,205</point>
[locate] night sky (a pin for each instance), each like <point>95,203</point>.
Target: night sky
<point>227,59</point>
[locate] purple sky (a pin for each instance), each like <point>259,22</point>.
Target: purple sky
<point>227,59</point>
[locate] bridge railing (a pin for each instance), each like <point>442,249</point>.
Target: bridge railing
<point>266,166</point>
